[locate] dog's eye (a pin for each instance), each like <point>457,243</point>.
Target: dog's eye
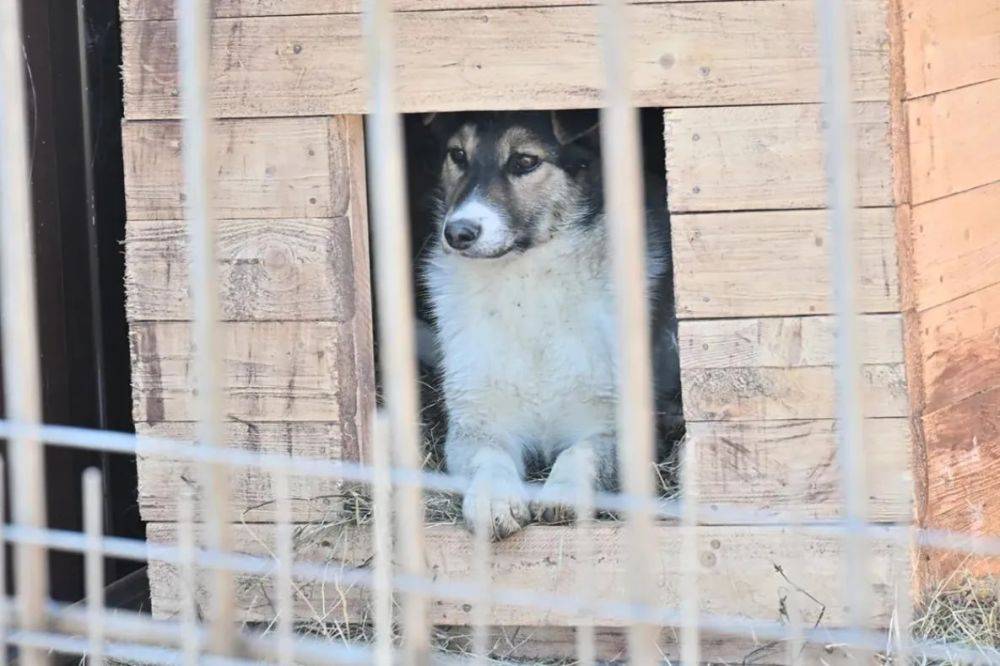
<point>459,157</point>
<point>522,163</point>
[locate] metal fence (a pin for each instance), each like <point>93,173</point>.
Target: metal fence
<point>39,627</point>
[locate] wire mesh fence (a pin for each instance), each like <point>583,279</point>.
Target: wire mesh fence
<point>401,587</point>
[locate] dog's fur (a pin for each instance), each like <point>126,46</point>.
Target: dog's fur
<point>524,316</point>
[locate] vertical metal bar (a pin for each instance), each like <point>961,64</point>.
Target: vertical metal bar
<point>382,526</point>
<point>690,638</point>
<point>481,570</point>
<point>4,605</point>
<point>190,642</point>
<point>284,552</point>
<point>93,491</point>
<point>397,338</point>
<point>586,653</point>
<point>838,112</point>
<point>194,34</point>
<point>21,375</point>
<point>626,230</point>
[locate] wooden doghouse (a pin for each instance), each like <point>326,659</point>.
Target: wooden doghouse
<point>739,83</point>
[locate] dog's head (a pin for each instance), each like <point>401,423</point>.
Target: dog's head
<point>511,181</point>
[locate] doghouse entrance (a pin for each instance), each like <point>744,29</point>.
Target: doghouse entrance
<point>424,155</point>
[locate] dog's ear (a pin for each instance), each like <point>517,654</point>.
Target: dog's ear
<point>427,118</point>
<point>572,126</point>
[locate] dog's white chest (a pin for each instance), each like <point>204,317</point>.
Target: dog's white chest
<point>527,347</point>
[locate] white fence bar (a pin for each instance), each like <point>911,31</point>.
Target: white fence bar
<point>22,386</point>
<point>5,610</point>
<point>382,528</point>
<point>482,578</point>
<point>626,230</point>
<point>194,51</point>
<point>586,648</point>
<point>838,114</point>
<point>93,508</point>
<point>397,337</point>
<point>690,601</point>
<point>188,575</point>
<point>284,553</point>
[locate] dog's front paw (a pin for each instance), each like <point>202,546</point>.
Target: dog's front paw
<point>497,505</point>
<point>554,504</point>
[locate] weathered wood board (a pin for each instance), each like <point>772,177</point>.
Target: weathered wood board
<point>956,245</point>
<point>162,479</point>
<point>775,263</point>
<point>686,54</point>
<point>949,44</point>
<point>273,371</point>
<point>737,575</point>
<point>954,146</point>
<point>269,270</point>
<point>786,470</point>
<point>767,157</point>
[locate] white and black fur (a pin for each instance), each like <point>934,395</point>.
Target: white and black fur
<point>520,287</point>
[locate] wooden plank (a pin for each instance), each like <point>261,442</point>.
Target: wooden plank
<point>273,371</point>
<point>949,44</point>
<point>783,342</point>
<point>686,54</point>
<point>960,347</point>
<point>766,394</point>
<point>138,10</point>
<point>278,270</point>
<point>775,263</point>
<point>767,157</point>
<point>955,245</point>
<point>737,572</point>
<point>267,168</point>
<point>954,141</point>
<point>963,490</point>
<point>161,480</point>
<point>789,468</point>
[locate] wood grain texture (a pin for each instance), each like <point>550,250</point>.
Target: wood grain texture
<point>686,54</point>
<point>736,575</point>
<point>767,157</point>
<point>133,10</point>
<point>963,491</point>
<point>273,371</point>
<point>949,44</point>
<point>766,394</point>
<point>266,168</point>
<point>789,468</point>
<point>775,263</point>
<point>161,479</point>
<point>269,270</point>
<point>960,347</point>
<point>783,342</point>
<point>954,141</point>
<point>955,245</point>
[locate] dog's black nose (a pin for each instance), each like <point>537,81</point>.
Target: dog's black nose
<point>461,234</point>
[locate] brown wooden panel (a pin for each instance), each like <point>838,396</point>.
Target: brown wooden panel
<point>686,54</point>
<point>737,574</point>
<point>767,157</point>
<point>960,347</point>
<point>963,488</point>
<point>949,44</point>
<point>775,263</point>
<point>784,342</point>
<point>161,480</point>
<point>954,141</point>
<point>266,168</point>
<point>785,469</point>
<point>956,245</point>
<point>766,394</point>
<point>268,270</point>
<point>165,9</point>
<point>273,371</point>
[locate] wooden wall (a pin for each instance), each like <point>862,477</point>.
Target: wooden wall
<point>740,84</point>
<point>948,91</point>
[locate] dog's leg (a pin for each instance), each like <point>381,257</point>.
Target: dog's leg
<point>496,489</point>
<point>590,461</point>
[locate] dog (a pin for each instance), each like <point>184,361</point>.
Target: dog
<point>519,284</point>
